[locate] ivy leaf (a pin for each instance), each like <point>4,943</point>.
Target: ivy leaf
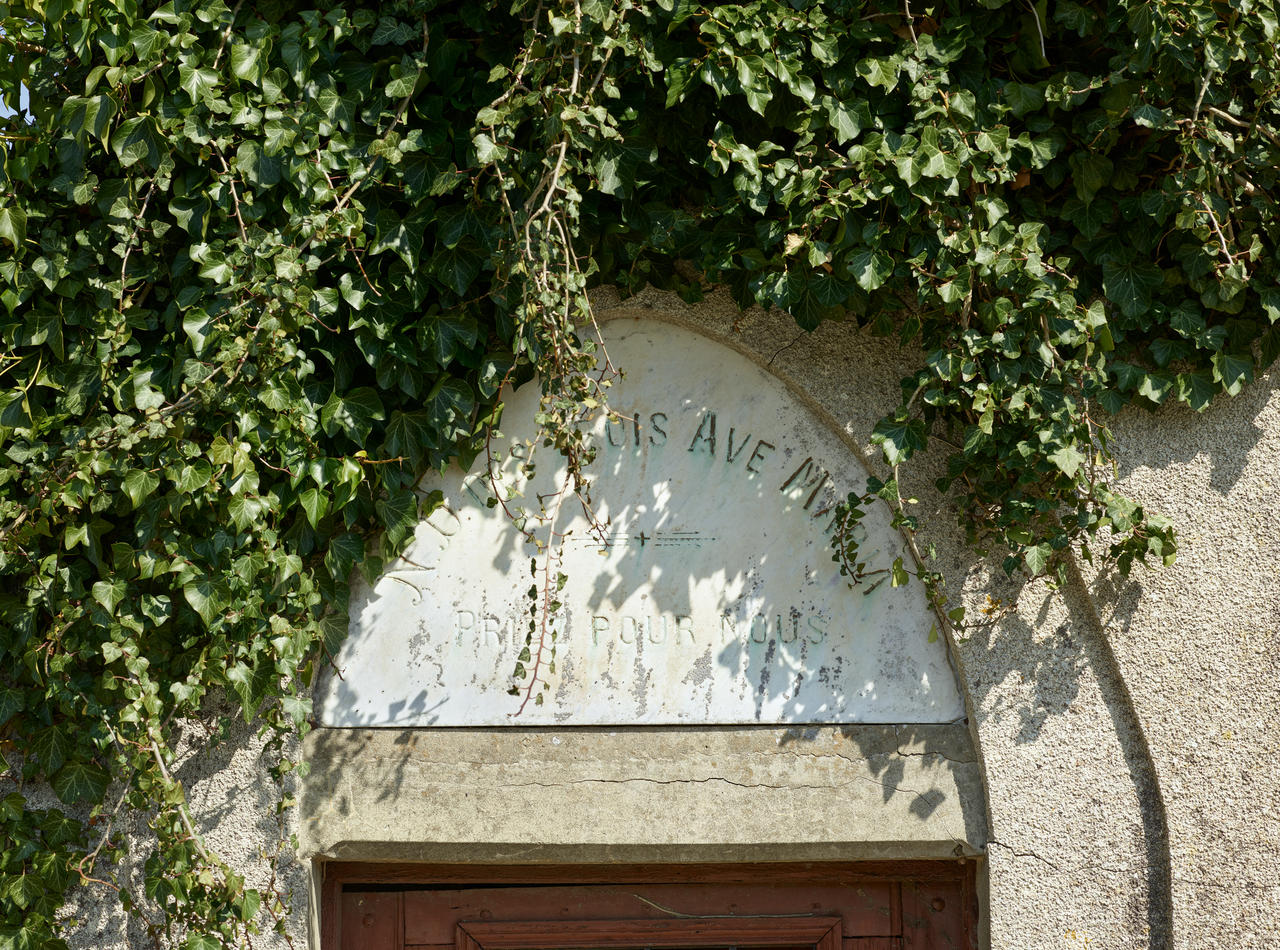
<point>137,140</point>
<point>1023,98</point>
<point>1129,284</point>
<point>399,513</point>
<point>1197,390</point>
<point>81,782</point>
<point>244,511</point>
<point>25,889</point>
<point>847,118</point>
<point>345,551</point>
<point>899,438</point>
<point>11,703</point>
<point>109,594</point>
<point>315,504</point>
<point>1269,297</point>
<point>246,61</point>
<point>1036,558</point>
<point>47,328</point>
<point>193,476</point>
<point>882,73</point>
<point>1232,371</point>
<point>452,336</point>
<point>207,598</point>
<point>198,81</point>
<point>353,413</point>
<point>807,311</point>
<point>1068,459</point>
<point>870,268</point>
<point>50,747</point>
<point>297,708</point>
<point>251,684</point>
<point>449,406</point>
<point>409,434</point>
<point>13,227</point>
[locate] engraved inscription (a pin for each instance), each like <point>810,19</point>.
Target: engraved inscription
<point>702,592</point>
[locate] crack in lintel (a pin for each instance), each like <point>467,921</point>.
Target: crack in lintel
<point>789,786</point>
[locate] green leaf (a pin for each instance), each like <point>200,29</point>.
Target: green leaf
<point>870,268</point>
<point>47,329</point>
<point>1269,297</point>
<point>247,61</point>
<point>13,227</point>
<point>81,782</point>
<point>244,510</point>
<point>11,703</point>
<point>315,504</point>
<point>452,336</point>
<point>399,514</point>
<point>847,118</point>
<point>409,435</point>
<point>1197,390</point>
<point>1129,284</point>
<point>353,413</point>
<point>109,594</point>
<point>1036,558</point>
<point>207,598</point>
<point>899,439</point>
<point>1068,459</point>
<point>193,476</point>
<point>882,73</point>
<point>345,551</point>
<point>50,747</point>
<point>25,889</point>
<point>1232,371</point>
<point>137,140</point>
<point>198,81</point>
<point>449,405</point>
<point>1023,98</point>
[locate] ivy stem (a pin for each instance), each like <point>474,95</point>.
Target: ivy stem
<point>183,814</point>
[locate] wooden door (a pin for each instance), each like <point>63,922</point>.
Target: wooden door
<point>889,906</point>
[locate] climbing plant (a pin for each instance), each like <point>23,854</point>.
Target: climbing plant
<point>264,265</point>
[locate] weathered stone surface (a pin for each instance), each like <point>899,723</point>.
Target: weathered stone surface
<point>727,793</point>
<point>703,591</point>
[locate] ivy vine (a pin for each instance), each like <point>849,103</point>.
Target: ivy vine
<point>262,266</point>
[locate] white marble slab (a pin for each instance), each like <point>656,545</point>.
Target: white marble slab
<point>711,596</point>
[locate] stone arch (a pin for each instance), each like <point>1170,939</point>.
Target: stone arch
<point>880,765</point>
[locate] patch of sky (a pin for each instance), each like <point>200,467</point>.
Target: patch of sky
<point>23,104</point>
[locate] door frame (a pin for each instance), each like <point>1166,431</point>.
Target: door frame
<point>335,875</point>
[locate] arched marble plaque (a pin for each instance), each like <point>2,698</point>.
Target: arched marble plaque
<point>710,598</point>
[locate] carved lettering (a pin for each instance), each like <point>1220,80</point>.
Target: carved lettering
<point>809,474</point>
<point>817,628</point>
<point>609,423</point>
<point>731,456</point>
<point>684,625</point>
<point>758,456</point>
<point>706,433</point>
<point>760,628</point>
<point>493,628</point>
<point>464,625</point>
<point>661,432</point>
<point>651,626</point>
<point>599,625</point>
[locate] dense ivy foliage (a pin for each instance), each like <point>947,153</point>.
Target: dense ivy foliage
<point>263,266</point>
